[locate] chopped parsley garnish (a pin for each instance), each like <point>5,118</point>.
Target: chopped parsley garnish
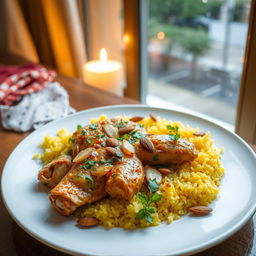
<point>83,132</point>
<point>122,124</point>
<point>71,140</point>
<point>69,152</point>
<point>89,140</point>
<point>88,164</point>
<point>99,136</point>
<point>155,158</point>
<point>109,161</point>
<point>114,175</point>
<point>79,127</point>
<point>147,210</point>
<point>174,136</point>
<point>93,127</point>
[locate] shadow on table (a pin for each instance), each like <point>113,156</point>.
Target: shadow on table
<point>239,244</point>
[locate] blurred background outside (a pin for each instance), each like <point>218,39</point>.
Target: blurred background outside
<point>196,52</point>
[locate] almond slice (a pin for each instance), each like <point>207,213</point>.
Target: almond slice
<point>165,171</point>
<point>153,117</point>
<point>153,174</point>
<point>111,151</point>
<point>101,170</point>
<point>110,130</point>
<point>126,129</point>
<point>82,155</point>
<point>112,142</point>
<point>127,148</point>
<point>147,144</point>
<point>200,210</point>
<point>88,222</point>
<point>199,134</point>
<point>136,118</point>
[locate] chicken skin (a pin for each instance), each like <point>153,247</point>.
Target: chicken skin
<point>126,178</point>
<point>166,151</point>
<point>84,183</point>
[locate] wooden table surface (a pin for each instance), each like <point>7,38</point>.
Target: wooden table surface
<point>15,241</point>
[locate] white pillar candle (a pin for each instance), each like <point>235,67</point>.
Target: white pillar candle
<point>104,74</point>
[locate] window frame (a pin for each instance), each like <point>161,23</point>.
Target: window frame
<point>135,20</point>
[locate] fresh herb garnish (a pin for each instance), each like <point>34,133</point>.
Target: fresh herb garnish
<point>69,152</point>
<point>88,164</point>
<point>93,127</point>
<point>89,140</point>
<point>171,128</point>
<point>71,140</point>
<point>109,161</point>
<point>114,175</point>
<point>83,132</point>
<point>122,124</point>
<point>155,158</point>
<point>147,210</point>
<point>79,127</point>
<point>99,136</point>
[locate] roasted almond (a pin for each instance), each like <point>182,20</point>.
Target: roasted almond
<point>200,210</point>
<point>127,148</point>
<point>111,151</point>
<point>112,142</point>
<point>199,133</point>
<point>110,130</point>
<point>153,174</point>
<point>82,155</point>
<point>136,118</point>
<point>153,117</point>
<point>126,129</point>
<point>88,222</point>
<point>147,144</point>
<point>97,146</point>
<point>75,151</point>
<point>101,170</point>
<point>165,171</point>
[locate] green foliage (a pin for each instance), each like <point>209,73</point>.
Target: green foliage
<point>192,9</point>
<point>238,12</point>
<point>195,42</point>
<point>166,10</point>
<point>213,8</point>
<point>162,10</point>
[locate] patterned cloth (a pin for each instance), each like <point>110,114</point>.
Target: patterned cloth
<point>16,82</point>
<point>37,109</point>
<point>29,98</point>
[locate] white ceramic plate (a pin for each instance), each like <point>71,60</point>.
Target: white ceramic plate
<point>28,203</point>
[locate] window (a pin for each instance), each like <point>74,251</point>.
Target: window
<point>196,54</point>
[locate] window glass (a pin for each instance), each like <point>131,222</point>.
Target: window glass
<point>196,52</point>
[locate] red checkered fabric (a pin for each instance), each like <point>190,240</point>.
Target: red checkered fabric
<point>16,82</point>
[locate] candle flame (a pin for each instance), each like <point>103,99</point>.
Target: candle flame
<point>103,55</point>
<point>160,35</point>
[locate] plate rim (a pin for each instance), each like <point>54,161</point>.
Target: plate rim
<point>191,250</point>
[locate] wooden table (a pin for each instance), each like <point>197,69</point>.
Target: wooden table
<point>15,241</point>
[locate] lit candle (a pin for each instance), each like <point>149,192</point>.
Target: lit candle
<point>104,74</point>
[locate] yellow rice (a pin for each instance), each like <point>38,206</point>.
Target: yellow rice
<point>195,183</point>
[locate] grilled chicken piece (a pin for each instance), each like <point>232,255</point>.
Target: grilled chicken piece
<point>126,178</point>
<point>95,135</point>
<point>53,172</point>
<point>166,151</point>
<point>84,183</point>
